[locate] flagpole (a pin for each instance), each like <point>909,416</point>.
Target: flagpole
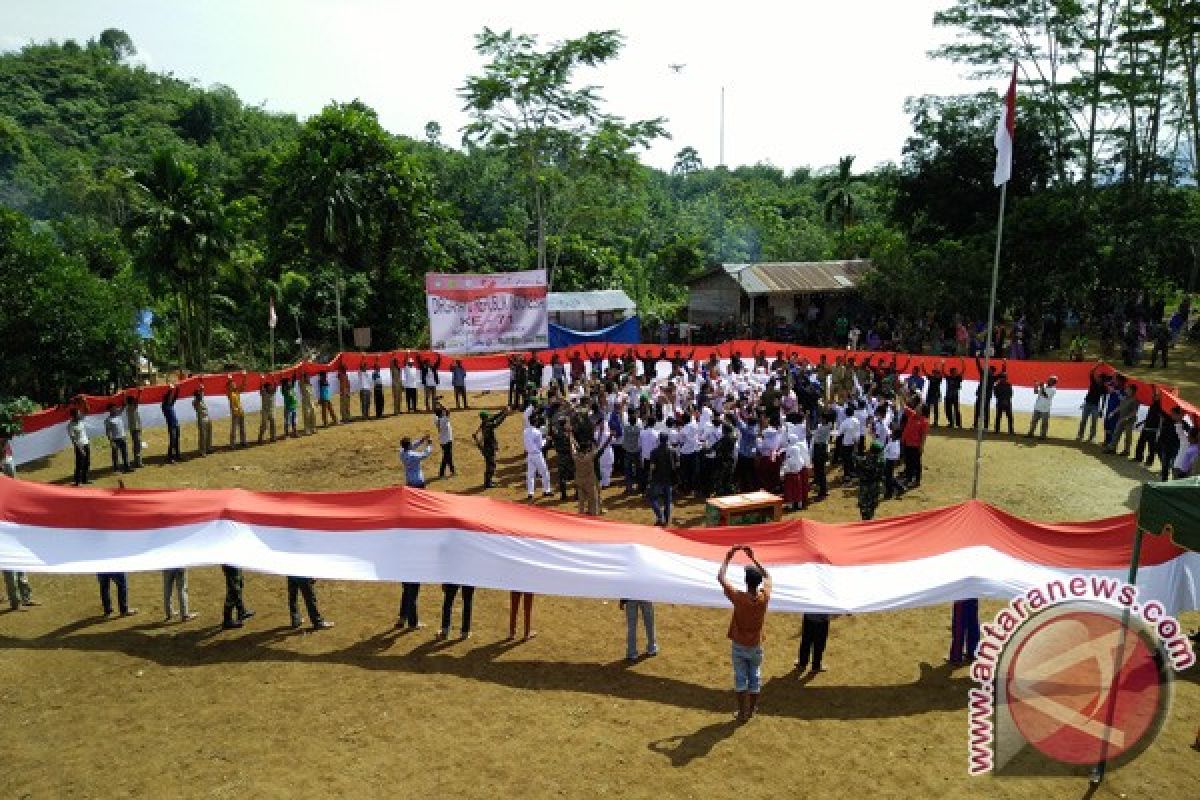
<point>987,348</point>
<point>272,328</point>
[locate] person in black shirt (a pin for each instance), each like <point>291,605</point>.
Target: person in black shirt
<point>1168,442</point>
<point>954,381</point>
<point>1147,442</point>
<point>663,469</point>
<point>1097,388</point>
<point>983,393</point>
<point>1004,397</point>
<point>933,395</point>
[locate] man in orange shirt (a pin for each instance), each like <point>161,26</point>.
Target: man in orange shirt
<point>745,629</point>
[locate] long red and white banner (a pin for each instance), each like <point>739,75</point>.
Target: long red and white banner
<point>398,534</point>
<point>45,432</point>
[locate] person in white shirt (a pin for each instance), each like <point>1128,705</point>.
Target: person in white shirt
<point>647,441</point>
<point>891,457</point>
<point>114,429</point>
<point>364,390</point>
<point>441,418</point>
<point>794,473</point>
<point>848,435</point>
<point>535,462</point>
<point>1042,404</point>
<point>77,433</point>
<point>411,378</point>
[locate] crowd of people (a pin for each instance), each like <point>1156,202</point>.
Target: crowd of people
<point>668,426</point>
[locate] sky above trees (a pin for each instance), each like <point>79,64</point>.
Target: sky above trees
<point>806,83</point>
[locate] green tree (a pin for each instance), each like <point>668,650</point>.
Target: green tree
<point>181,236</point>
<point>525,104</point>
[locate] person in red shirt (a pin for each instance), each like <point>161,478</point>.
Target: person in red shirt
<point>746,629</point>
<point>912,443</point>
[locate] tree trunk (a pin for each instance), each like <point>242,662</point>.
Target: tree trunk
<point>1097,61</point>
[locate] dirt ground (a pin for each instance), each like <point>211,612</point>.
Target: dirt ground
<point>132,707</point>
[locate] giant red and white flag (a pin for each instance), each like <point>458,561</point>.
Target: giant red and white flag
<point>1006,131</point>
<point>400,534</point>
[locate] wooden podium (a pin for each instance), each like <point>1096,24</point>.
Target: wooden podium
<point>743,509</point>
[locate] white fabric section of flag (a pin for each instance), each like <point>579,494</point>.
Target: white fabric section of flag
<point>271,318</point>
<point>565,568</point>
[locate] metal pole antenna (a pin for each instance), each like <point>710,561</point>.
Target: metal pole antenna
<point>722,151</point>
<point>987,348</point>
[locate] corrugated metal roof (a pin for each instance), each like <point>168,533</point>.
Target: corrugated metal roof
<point>602,300</point>
<point>787,277</point>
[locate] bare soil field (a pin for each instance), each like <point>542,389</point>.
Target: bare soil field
<point>135,708</point>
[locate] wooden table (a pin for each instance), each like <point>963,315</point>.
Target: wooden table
<point>743,509</point>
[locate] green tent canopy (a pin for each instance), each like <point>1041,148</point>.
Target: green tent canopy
<point>1172,508</point>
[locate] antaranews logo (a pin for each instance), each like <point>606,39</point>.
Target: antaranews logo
<point>1076,672</point>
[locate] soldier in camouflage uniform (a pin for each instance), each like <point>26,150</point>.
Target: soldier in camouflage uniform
<point>870,479</point>
<point>485,439</point>
<point>561,439</point>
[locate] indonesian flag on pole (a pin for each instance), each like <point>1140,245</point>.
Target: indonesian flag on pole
<point>1006,129</point>
<point>271,318</point>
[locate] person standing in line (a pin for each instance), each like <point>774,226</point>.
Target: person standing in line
<point>203,423</point>
<point>175,582</point>
<point>429,380</point>
<point>954,381</point>
<point>377,385</point>
<point>288,390</point>
<point>1148,438</point>
<point>449,592</point>
<point>307,403</point>
<point>77,433</point>
<point>632,608</point>
<point>1187,461</point>
<point>1126,413</point>
<point>1169,441</point>
<point>234,613</point>
<point>1093,400</point>
<point>107,580</point>
<point>344,390</point>
<point>266,413</point>
<point>820,453</point>
<point>411,379</point>
<point>515,601</point>
<point>535,462</point>
<point>964,631</point>
<point>485,440</point>
<point>237,415</point>
<point>397,388</point>
<point>445,438</point>
<point>411,455</point>
<point>1042,403</point>
<point>794,473</point>
<point>933,395</point>
<point>114,429</point>
<point>458,380</point>
<point>1003,391</point>
<point>746,629</point>
<point>304,587</point>
<point>16,583</point>
<point>325,398</point>
<point>133,421</point>
<point>364,388</point>
<point>814,633</point>
<point>172,420</point>
<point>630,436</point>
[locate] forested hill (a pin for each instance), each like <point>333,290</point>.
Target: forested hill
<point>123,189</point>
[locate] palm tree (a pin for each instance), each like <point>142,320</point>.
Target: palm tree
<point>841,192</point>
<point>183,235</point>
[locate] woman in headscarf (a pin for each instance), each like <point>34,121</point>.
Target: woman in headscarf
<point>795,473</point>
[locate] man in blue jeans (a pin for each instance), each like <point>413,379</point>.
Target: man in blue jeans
<point>631,609</point>
<point>746,629</point>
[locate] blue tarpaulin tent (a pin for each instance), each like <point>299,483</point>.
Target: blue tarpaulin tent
<point>625,332</point>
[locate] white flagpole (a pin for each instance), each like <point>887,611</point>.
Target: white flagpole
<point>987,348</point>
